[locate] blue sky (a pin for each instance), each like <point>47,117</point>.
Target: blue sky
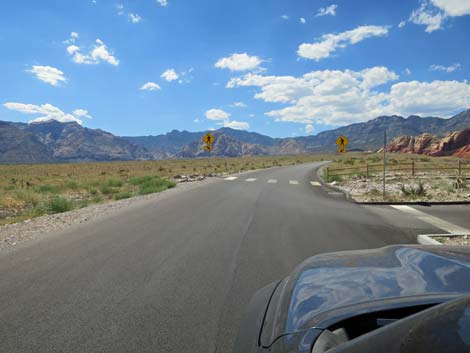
<point>281,68</point>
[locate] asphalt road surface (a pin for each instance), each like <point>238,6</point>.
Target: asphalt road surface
<point>176,275</point>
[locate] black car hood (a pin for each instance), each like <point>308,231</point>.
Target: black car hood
<point>326,283</point>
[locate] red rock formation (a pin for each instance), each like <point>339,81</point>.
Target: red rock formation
<point>454,144</point>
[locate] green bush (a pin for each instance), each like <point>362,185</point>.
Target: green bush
<point>73,185</point>
<point>123,195</point>
<point>59,204</point>
<point>47,188</point>
<point>28,197</point>
<point>151,184</point>
<point>115,183</point>
<point>107,190</point>
<point>93,191</point>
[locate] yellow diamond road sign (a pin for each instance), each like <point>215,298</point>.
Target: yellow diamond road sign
<point>341,149</point>
<point>342,141</point>
<point>208,148</point>
<point>208,138</point>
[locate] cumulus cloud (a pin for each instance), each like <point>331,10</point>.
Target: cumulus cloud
<point>239,125</point>
<point>224,119</point>
<point>217,114</point>
<point>48,112</point>
<point>150,86</point>
<point>428,16</point>
<point>329,43</point>
<point>239,62</point>
<point>309,128</point>
<point>48,74</point>
<point>433,13</point>
<point>302,20</point>
<point>134,18</point>
<point>402,24</point>
<point>448,69</point>
<point>453,7</point>
<point>336,97</point>
<point>170,75</point>
<point>327,11</point>
<point>98,53</point>
<point>285,17</point>
<point>162,2</point>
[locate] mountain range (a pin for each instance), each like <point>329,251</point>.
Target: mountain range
<point>52,141</point>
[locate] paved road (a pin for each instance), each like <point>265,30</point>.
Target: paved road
<point>175,276</point>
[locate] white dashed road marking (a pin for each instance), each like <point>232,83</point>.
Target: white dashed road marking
<point>230,178</point>
<point>250,179</point>
<point>315,183</point>
<point>437,222</point>
<point>293,182</point>
<point>272,181</point>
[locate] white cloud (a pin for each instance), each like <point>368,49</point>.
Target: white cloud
<point>48,74</point>
<point>239,62</point>
<point>344,97</point>
<point>252,115</point>
<point>325,11</point>
<point>134,18</point>
<point>407,71</point>
<point>162,2</point>
<point>197,120</point>
<point>285,17</point>
<point>402,24</point>
<point>238,105</point>
<point>239,125</point>
<point>150,86</point>
<point>72,38</point>
<point>448,69</point>
<point>48,112</point>
<point>302,20</point>
<point>453,7</point>
<point>224,118</point>
<point>170,75</point>
<point>330,42</point>
<point>99,53</point>
<point>74,35</point>
<point>428,16</point>
<point>309,128</point>
<point>217,114</point>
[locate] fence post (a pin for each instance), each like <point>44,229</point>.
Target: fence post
<point>367,171</point>
<point>327,174</point>
<point>412,168</point>
<point>460,168</point>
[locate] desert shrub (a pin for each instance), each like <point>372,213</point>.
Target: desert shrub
<point>107,190</point>
<point>123,195</point>
<point>47,188</point>
<point>28,197</point>
<point>413,191</point>
<point>150,185</point>
<point>59,204</point>
<point>73,185</point>
<point>93,191</point>
<point>115,183</point>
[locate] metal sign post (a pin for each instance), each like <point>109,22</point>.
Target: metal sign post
<point>385,162</point>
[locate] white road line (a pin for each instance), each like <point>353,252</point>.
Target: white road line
<point>272,181</point>
<point>230,178</point>
<point>250,179</point>
<point>293,182</point>
<point>315,183</point>
<point>437,222</point>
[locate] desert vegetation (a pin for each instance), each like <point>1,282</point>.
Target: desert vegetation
<point>28,191</point>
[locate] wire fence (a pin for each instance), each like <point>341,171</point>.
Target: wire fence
<point>458,169</point>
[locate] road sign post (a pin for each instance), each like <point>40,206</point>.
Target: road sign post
<point>385,162</point>
<point>342,142</point>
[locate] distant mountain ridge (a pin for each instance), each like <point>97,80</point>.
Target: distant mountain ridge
<point>52,141</point>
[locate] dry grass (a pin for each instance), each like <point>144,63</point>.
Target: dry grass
<point>33,190</point>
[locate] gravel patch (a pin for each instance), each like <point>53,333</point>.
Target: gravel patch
<point>454,240</point>
<point>14,234</point>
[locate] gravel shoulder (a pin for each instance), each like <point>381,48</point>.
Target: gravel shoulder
<point>12,235</point>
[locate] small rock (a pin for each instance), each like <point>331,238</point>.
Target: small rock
<point>333,183</point>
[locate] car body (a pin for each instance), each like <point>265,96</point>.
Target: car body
<point>352,293</point>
